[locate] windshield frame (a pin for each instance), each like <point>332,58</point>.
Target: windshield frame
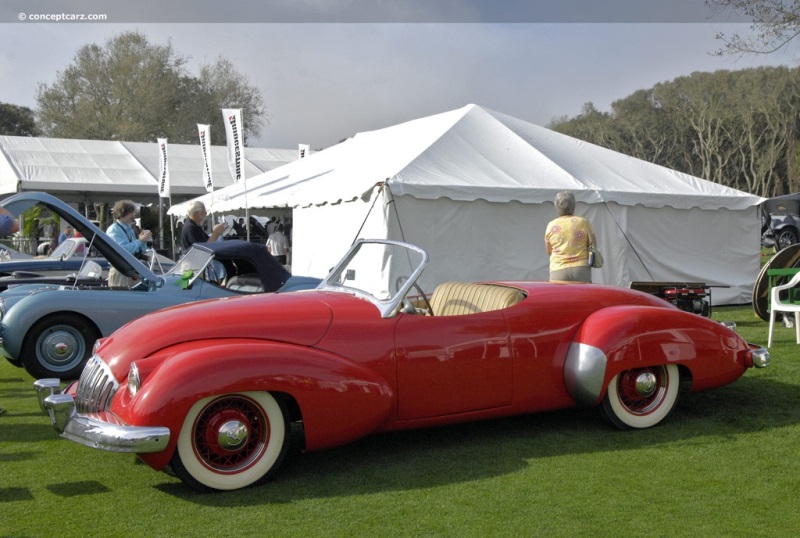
<point>67,249</point>
<point>413,259</point>
<point>203,257</point>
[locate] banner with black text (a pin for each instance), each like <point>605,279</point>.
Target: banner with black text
<point>163,169</point>
<point>205,142</point>
<point>234,134</point>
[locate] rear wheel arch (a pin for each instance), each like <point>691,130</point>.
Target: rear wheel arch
<point>292,407</point>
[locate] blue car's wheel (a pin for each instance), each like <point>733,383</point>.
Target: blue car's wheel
<point>58,346</point>
<point>642,397</point>
<point>231,441</point>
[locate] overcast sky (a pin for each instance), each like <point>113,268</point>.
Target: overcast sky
<point>328,69</point>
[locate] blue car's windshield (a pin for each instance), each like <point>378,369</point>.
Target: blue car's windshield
<point>195,261</point>
<point>69,248</point>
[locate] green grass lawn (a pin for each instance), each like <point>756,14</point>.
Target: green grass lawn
<point>724,464</point>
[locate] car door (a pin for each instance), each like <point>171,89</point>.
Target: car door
<point>452,364</point>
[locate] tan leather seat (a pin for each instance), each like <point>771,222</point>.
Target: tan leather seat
<point>249,283</point>
<point>458,298</point>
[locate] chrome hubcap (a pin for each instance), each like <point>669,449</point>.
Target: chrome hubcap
<point>646,384</point>
<point>233,435</point>
<point>60,347</point>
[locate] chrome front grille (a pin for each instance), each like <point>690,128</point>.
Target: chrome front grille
<point>96,387</point>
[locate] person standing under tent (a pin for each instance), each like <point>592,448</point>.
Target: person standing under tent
<point>121,231</point>
<point>68,232</point>
<point>278,245</point>
<point>193,231</point>
<point>567,239</point>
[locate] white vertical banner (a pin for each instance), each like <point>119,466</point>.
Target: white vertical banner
<point>302,151</point>
<point>234,133</point>
<point>163,169</point>
<point>205,139</point>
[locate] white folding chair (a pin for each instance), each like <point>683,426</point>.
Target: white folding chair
<point>775,306</point>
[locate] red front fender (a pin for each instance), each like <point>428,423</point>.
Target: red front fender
<point>340,401</point>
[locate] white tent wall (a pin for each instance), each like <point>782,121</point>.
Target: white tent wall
<point>473,241</point>
<point>719,247</point>
<point>9,177</point>
<point>480,240</point>
<point>322,234</point>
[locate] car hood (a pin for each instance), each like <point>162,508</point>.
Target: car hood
<point>300,318</point>
<point>13,294</point>
<point>117,256</point>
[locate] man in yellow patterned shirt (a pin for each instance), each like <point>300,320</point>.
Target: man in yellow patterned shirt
<point>567,239</point>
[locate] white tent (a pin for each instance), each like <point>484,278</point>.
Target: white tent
<point>475,188</point>
<point>70,167</point>
<point>78,170</point>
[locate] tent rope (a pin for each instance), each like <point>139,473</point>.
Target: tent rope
<point>628,240</point>
<point>374,201</point>
<point>396,214</point>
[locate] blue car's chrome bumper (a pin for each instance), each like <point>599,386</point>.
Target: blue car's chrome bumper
<point>96,430</point>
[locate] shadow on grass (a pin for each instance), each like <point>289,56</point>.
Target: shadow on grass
<point>4,380</point>
<point>15,494</point>
<point>76,489</point>
<point>26,432</point>
<point>18,456</point>
<point>467,452</point>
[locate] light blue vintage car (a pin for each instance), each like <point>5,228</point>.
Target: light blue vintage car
<point>50,329</point>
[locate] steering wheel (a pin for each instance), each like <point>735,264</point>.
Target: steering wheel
<point>215,272</point>
<point>408,306</point>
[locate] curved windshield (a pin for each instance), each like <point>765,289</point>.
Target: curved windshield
<point>195,261</point>
<point>66,249</point>
<point>379,270</point>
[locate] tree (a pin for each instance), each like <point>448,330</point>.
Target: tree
<point>17,121</point>
<point>646,128</point>
<point>775,23</point>
<point>590,125</point>
<point>221,86</point>
<point>739,129</point>
<point>133,90</point>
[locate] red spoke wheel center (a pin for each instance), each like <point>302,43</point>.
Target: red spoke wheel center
<point>230,434</point>
<point>642,390</point>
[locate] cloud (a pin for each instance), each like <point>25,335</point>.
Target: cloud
<point>325,82</point>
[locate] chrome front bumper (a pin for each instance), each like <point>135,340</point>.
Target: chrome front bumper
<point>95,430</point>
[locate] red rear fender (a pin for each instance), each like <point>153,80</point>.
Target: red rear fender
<point>620,338</point>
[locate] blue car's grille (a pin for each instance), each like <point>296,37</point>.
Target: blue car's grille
<point>96,387</point>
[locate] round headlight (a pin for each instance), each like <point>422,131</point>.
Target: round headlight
<point>133,380</point>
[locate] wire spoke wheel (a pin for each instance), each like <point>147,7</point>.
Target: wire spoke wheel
<point>231,441</point>
<point>642,397</point>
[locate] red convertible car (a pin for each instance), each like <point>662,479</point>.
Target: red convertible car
<point>211,388</point>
